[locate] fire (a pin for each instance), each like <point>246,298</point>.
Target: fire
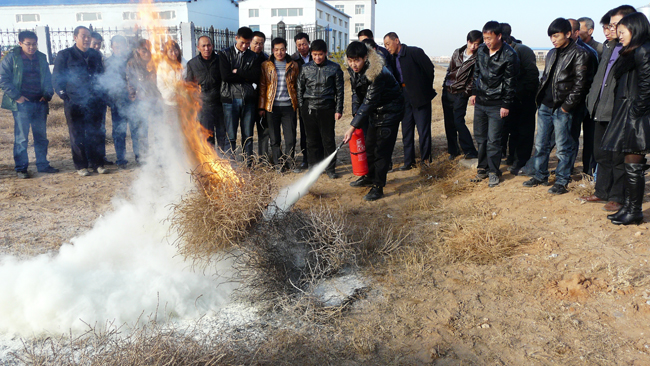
<point>213,171</point>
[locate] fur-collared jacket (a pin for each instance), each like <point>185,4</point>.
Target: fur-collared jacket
<point>376,96</point>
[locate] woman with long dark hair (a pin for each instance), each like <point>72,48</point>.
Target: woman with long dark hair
<point>629,130</point>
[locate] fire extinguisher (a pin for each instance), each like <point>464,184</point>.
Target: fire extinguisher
<point>358,153</point>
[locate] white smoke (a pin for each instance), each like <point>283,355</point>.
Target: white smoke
<point>123,268</point>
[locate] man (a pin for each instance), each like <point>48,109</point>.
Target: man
<point>414,71</point>
<point>204,70</point>
<point>114,79</point>
<point>374,88</point>
<point>456,90</point>
<point>263,137</point>
<point>96,43</point>
<point>493,94</point>
<point>519,129</point>
<point>367,34</point>
<point>76,70</point>
<point>302,57</point>
<point>562,88</point>
<point>26,82</point>
<point>610,179</point>
<point>320,96</point>
<point>586,32</point>
<point>240,69</point>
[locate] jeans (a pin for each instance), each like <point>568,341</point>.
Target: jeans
<point>141,113</point>
<point>454,108</point>
<point>553,121</point>
<point>30,114</point>
<point>120,123</point>
<point>419,117</point>
<point>240,113</point>
<point>283,119</point>
<point>319,126</point>
<point>488,130</point>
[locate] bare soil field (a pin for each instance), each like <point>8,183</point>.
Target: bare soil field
<point>484,276</point>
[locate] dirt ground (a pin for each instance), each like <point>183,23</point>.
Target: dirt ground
<point>572,289</point>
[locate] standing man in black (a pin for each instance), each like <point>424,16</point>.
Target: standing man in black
<point>263,131</point>
<point>495,78</point>
<point>366,34</point>
<point>302,56</point>
<point>204,70</point>
<point>76,70</point>
<point>414,71</point>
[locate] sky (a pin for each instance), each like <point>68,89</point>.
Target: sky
<point>441,26</point>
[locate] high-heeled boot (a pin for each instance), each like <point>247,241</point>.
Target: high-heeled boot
<point>624,208</point>
<point>635,184</point>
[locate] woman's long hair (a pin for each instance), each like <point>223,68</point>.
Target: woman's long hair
<point>172,44</point>
<point>639,27</point>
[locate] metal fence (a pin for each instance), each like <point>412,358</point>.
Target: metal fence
<point>220,38</point>
<point>9,39</point>
<point>314,32</point>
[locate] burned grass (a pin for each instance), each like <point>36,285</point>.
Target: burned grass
<point>583,187</point>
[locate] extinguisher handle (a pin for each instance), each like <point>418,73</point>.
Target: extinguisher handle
<point>341,145</point>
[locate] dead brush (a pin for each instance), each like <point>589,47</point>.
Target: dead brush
<point>584,186</point>
<point>446,175</point>
<point>218,216</point>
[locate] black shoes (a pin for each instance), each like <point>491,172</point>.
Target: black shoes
<point>374,194</point>
<point>333,175</point>
<point>406,167</point>
<point>362,182</point>
<point>557,189</point>
<point>634,186</point>
<point>534,182</point>
<point>471,156</point>
<point>303,166</point>
<point>49,170</point>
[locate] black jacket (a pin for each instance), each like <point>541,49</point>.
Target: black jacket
<point>495,77</point>
<point>321,86</point>
<point>571,78</point>
<point>376,95</point>
<point>239,85</point>
<point>296,57</point>
<point>206,73</point>
<point>629,129</point>
<point>75,76</point>
<point>528,77</point>
<point>458,79</point>
<point>600,105</point>
<point>417,74</point>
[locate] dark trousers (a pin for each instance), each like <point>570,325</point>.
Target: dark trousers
<point>120,124</point>
<point>419,117</point>
<point>303,138</point>
<point>610,177</point>
<point>282,122</point>
<point>32,114</point>
<point>519,132</point>
<point>319,126</point>
<point>577,117</point>
<point>263,137</point>
<point>103,108</point>
<point>211,118</point>
<point>84,127</point>
<point>454,108</point>
<point>380,142</point>
<point>588,162</point>
<point>488,130</point>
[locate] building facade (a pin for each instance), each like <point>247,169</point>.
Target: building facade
<point>362,15</point>
<point>60,14</point>
<point>322,19</point>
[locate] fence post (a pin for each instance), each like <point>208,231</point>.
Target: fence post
<point>43,33</point>
<point>188,40</point>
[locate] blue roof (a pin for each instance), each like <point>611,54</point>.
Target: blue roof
<point>77,2</point>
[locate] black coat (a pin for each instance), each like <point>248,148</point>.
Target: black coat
<point>417,74</point>
<point>495,77</point>
<point>458,79</point>
<point>528,77</point>
<point>208,75</point>
<point>296,57</point>
<point>321,86</point>
<point>600,105</point>
<point>629,129</point>
<point>376,96</point>
<point>248,73</point>
<point>75,77</point>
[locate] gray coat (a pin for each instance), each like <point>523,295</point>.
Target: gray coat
<point>600,106</point>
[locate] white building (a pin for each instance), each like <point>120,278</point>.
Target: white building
<point>317,17</point>
<point>362,14</point>
<point>27,14</point>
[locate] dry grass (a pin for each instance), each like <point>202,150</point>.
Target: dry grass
<point>583,187</point>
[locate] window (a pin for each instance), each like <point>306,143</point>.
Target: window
<point>346,24</point>
<point>320,14</point>
<point>88,17</point>
<point>341,22</point>
<point>334,18</point>
<point>340,8</point>
<point>130,15</point>
<point>254,28</point>
<point>21,18</point>
<point>253,13</point>
<point>286,12</point>
<point>328,17</point>
<point>359,9</point>
<point>170,14</point>
<point>358,27</point>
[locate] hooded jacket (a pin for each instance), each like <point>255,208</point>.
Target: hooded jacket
<point>458,79</point>
<point>376,96</point>
<point>11,78</point>
<point>495,76</point>
<point>321,86</point>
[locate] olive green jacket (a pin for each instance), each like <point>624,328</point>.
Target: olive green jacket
<point>11,78</point>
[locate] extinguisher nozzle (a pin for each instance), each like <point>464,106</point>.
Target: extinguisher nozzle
<point>341,145</point>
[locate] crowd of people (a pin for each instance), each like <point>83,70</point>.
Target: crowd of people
<point>596,90</point>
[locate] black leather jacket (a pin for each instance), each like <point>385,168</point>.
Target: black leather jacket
<point>239,85</point>
<point>321,86</point>
<point>75,76</point>
<point>495,77</point>
<point>459,74</point>
<point>208,76</point>
<point>376,96</point>
<point>571,79</point>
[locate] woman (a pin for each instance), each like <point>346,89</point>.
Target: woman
<point>278,100</point>
<point>141,84</point>
<point>171,71</point>
<point>629,130</point>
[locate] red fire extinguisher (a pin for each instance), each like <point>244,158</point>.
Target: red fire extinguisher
<point>358,153</point>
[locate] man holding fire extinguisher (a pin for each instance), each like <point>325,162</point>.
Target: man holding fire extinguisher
<point>378,106</point>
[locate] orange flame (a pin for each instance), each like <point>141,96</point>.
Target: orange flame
<point>213,171</point>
